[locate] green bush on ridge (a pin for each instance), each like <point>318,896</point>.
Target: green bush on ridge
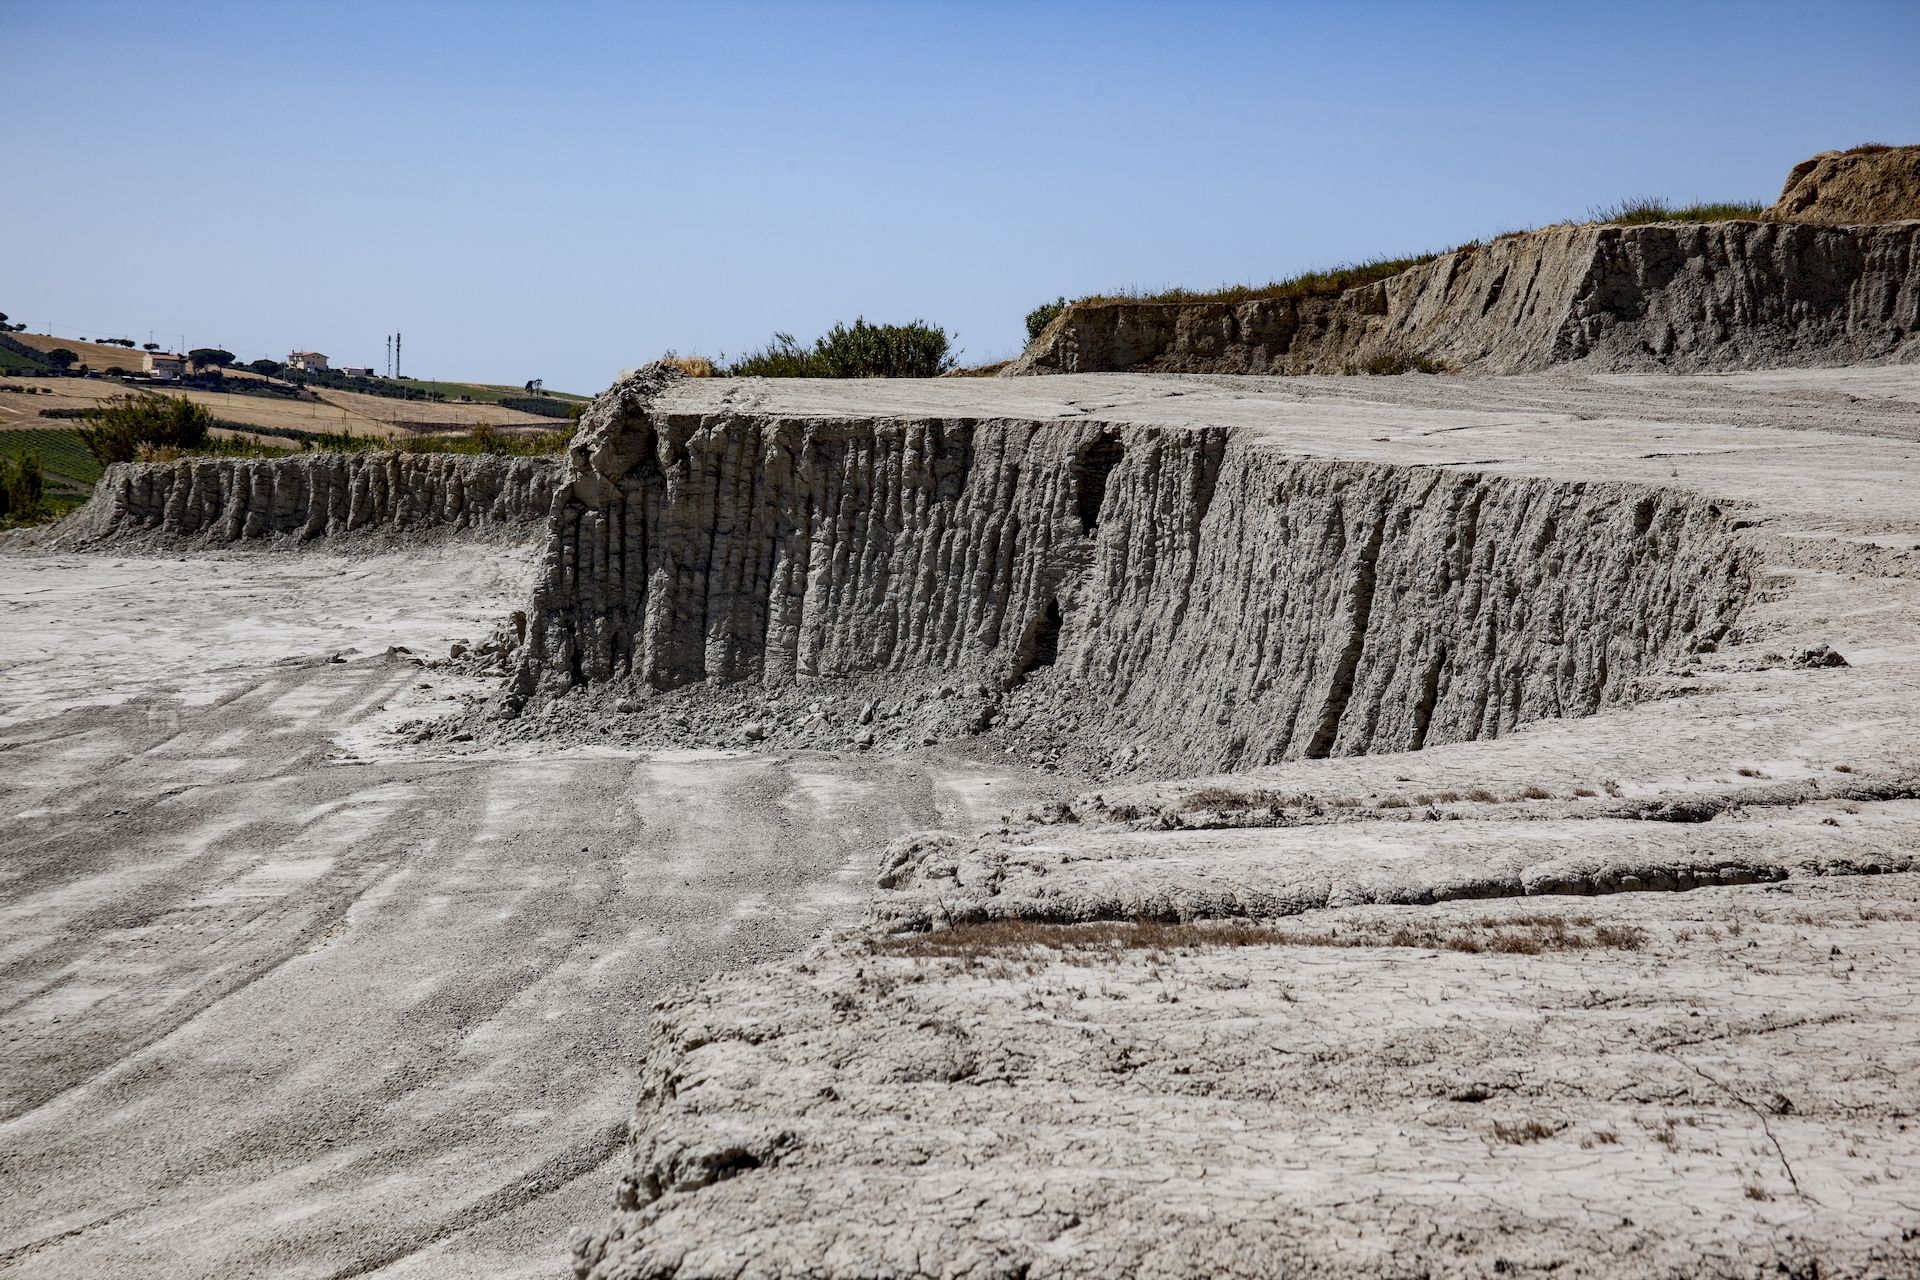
<point>860,350</point>
<point>1042,316</point>
<point>132,427</point>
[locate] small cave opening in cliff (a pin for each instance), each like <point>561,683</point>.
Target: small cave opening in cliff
<point>1040,646</point>
<point>1091,470</point>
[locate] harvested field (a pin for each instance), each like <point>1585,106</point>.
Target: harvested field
<point>98,356</point>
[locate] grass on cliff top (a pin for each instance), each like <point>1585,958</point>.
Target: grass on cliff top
<point>1636,211</point>
<point>1632,211</point>
<point>1308,284</point>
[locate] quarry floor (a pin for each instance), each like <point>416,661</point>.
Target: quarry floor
<point>277,998</point>
<point>280,996</point>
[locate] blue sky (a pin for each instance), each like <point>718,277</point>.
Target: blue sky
<point>560,191</point>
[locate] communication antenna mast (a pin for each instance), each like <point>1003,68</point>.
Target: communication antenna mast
<point>396,355</point>
<point>389,355</point>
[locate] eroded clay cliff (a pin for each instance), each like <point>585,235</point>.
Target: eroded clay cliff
<point>1672,296</point>
<point>315,495</point>
<point>1202,596</point>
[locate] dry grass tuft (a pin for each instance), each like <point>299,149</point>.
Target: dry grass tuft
<point>1521,1134</point>
<point>692,366</point>
<point>1228,800</point>
<point>1534,792</point>
<point>1638,210</point>
<point>1620,937</point>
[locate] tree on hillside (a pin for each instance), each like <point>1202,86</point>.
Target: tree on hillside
<point>61,358</point>
<point>209,358</point>
<point>271,368</point>
<point>149,346</point>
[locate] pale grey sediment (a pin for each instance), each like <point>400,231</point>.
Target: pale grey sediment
<point>313,495</point>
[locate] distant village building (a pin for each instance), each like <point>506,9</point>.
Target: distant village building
<point>307,361</point>
<point>161,364</point>
<point>353,370</point>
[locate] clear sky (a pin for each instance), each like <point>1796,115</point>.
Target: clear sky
<point>561,191</point>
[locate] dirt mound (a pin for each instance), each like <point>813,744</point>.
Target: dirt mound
<point>1866,184</point>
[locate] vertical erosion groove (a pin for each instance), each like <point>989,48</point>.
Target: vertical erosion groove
<point>1091,469</point>
<point>1040,646</point>
<point>1210,602</point>
<point>317,495</point>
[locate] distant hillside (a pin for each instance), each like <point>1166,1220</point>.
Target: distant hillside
<point>17,357</point>
<point>97,356</point>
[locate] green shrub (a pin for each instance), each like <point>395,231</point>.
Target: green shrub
<point>22,489</point>
<point>131,427</point>
<point>1042,316</point>
<point>862,350</point>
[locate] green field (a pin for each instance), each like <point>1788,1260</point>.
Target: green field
<point>71,470</point>
<point>487,393</point>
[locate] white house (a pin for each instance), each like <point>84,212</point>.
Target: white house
<point>307,361</point>
<point>356,370</point>
<point>161,364</point>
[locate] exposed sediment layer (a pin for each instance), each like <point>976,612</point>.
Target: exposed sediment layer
<point>1866,184</point>
<point>1212,598</point>
<point>1675,296</point>
<point>318,495</point>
